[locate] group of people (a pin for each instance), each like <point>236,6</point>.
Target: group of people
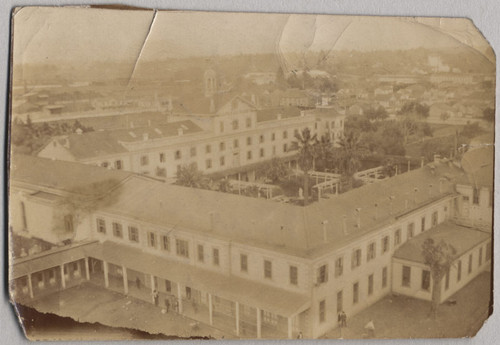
<point>342,319</point>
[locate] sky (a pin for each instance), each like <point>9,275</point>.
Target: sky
<point>83,35</point>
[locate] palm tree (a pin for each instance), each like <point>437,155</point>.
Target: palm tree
<point>323,154</point>
<point>439,257</point>
<point>306,145</point>
<point>351,153</point>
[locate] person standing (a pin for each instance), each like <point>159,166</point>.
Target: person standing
<point>155,297</point>
<point>344,319</point>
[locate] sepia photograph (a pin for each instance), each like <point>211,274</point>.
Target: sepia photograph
<point>230,175</point>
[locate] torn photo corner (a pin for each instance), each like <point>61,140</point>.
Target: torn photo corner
<point>222,175</point>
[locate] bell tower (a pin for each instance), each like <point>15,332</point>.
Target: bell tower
<point>210,81</point>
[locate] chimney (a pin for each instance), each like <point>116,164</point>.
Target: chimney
<point>278,116</point>
<point>415,190</point>
<point>358,217</point>
<point>180,131</point>
<point>422,161</point>
<point>376,211</point>
<point>325,237</point>
<point>430,189</point>
<point>441,185</point>
<point>344,224</point>
<point>391,199</point>
<point>145,136</point>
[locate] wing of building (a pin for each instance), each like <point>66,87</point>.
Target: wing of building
<point>251,266</point>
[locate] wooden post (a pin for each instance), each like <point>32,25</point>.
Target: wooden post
<point>259,323</point>
<point>125,279</point>
<point>210,310</point>
<point>87,269</point>
<point>63,281</point>
<point>152,288</point>
<point>290,330</point>
<point>237,312</point>
<point>106,278</point>
<point>30,285</point>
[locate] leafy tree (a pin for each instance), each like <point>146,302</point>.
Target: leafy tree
<point>352,151</point>
<point>489,114</point>
<point>439,257</point>
<point>323,157</point>
<point>275,170</point>
<point>471,130</point>
<point>190,176</point>
<point>305,143</point>
<point>374,114</point>
<point>414,109</point>
<point>444,116</point>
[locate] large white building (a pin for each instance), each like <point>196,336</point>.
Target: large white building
<point>252,267</point>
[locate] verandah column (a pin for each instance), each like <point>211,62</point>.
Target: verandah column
<point>290,330</point>
<point>105,269</point>
<point>30,285</point>
<point>125,279</point>
<point>179,297</point>
<point>259,323</point>
<point>63,280</point>
<point>237,312</point>
<point>210,310</point>
<point>87,270</point>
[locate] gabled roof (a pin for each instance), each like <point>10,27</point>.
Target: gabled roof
<point>270,114</point>
<point>103,143</point>
<point>59,175</point>
<point>461,238</point>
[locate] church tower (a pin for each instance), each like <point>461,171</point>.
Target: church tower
<point>210,81</point>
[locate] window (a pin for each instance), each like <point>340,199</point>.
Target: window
<point>68,223</point>
<point>459,270</point>
<point>144,160</point>
<point>208,149</point>
<point>285,147</point>
<point>322,311</point>
<point>178,154</point>
<point>370,284</point>
<point>221,126</point>
<point>340,301</point>
<point>165,243</point>
<point>273,136</point>
<point>385,244</point>
<point>422,225</point>
<point>435,218</point>
<point>480,258</point>
<point>397,237</point>
<point>322,274</point>
<point>249,155</point>
<point>261,153</point>
<point>152,239</point>
<point>355,293</point>
<point>236,143</point>
<point>215,256</point>
<point>101,225</point>
<point>248,122</point>
<point>222,146</point>
<point>104,164</point>
<point>447,280</point>
<point>118,164</point>
<point>285,134</point>
<point>168,285</point>
<point>201,255</point>
<point>469,270</point>
<point>192,151</point>
<point>475,196</point>
<point>488,251</point>
<point>295,132</point>
<point>249,141</point>
<point>162,157</point>
<point>261,138</point>
<point>235,124</point>
<point>133,234</point>
<point>339,266</point>
<point>406,276</point>
<point>293,275</point>
<point>384,277</point>
<point>117,230</point>
<point>243,263</point>
<point>356,258</point>
<point>426,280</point>
<point>208,163</point>
<point>268,269</point>
<point>371,252</point>
<point>182,248</point>
<point>410,230</point>
<point>222,161</point>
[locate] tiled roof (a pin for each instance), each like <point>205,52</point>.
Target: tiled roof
<point>59,175</point>
<point>270,114</point>
<point>102,143</point>
<point>461,238</point>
